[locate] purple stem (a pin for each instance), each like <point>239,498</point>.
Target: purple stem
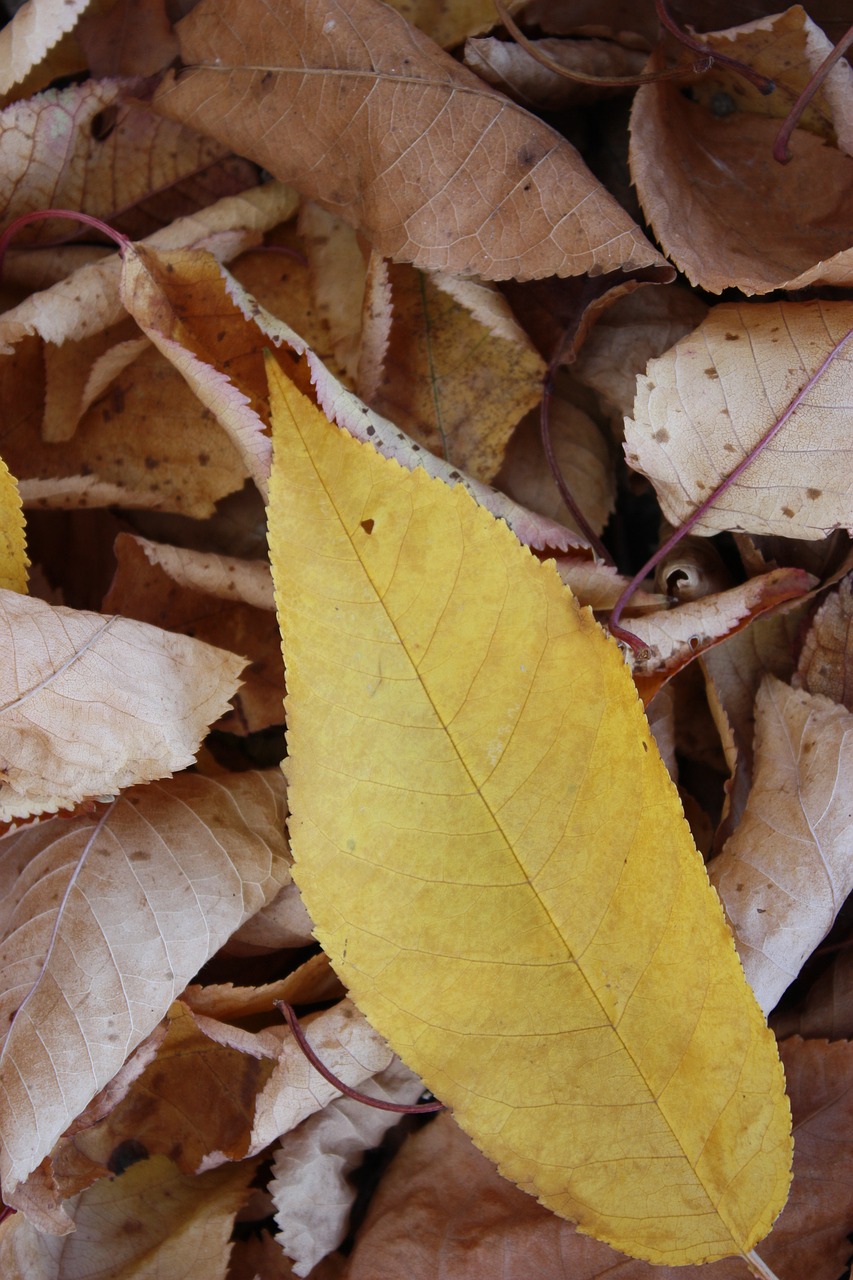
<point>40,214</point>
<point>628,637</point>
<point>783,137</point>
<point>402,1108</point>
<point>665,18</point>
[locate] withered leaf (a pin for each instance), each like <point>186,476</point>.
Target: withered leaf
<point>370,118</point>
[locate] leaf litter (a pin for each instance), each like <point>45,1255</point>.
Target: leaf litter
<point>150,921</point>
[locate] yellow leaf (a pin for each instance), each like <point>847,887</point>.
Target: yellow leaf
<point>498,866</point>
<point>13,555</point>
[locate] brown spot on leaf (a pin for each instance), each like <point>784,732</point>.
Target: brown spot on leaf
<point>661,435</point>
<point>786,511</point>
<point>711,373</point>
<point>367,526</point>
<point>732,337</point>
<point>813,493</point>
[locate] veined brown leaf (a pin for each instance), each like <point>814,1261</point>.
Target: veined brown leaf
<point>497,863</point>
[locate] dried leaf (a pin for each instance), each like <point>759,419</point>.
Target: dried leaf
<point>725,211</point>
<point>826,1009</point>
<point>54,154</point>
<point>132,38</point>
<point>432,165</point>
<point>704,405</point>
<point>786,871</point>
<point>314,982</point>
<point>32,50</point>
<point>141,896</point>
<point>219,599</point>
<point>825,664</point>
<point>448,25</point>
<point>13,556</point>
<point>283,923</point>
<point>509,67</point>
<point>456,372</point>
<point>434,861</point>
<point>150,1223</point>
<point>441,1213</point>
<point>310,1187</point>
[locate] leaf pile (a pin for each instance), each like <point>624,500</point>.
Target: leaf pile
<point>274,493</point>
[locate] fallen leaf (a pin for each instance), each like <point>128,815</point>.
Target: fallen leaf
<point>825,664</point>
<point>725,211</point>
<point>435,167</point>
<point>221,600</point>
<point>441,1212</point>
<point>150,1223</point>
<point>786,871</point>
<point>456,371</point>
<point>92,704</point>
<point>311,1190</point>
<point>88,148</point>
<point>281,924</point>
<point>704,405</point>
<point>314,982</point>
<point>480,838</point>
<point>826,1009</point>
<point>13,555</point>
<point>509,67</point>
<point>142,896</point>
<point>132,38</point>
<point>448,25</point>
<point>32,49</point>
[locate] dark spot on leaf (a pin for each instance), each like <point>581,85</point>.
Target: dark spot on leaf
<point>125,1154</point>
<point>786,511</point>
<point>454,475</point>
<point>140,855</point>
<point>367,526</point>
<point>170,270</point>
<point>645,746</point>
<point>371,431</point>
<point>131,1227</point>
<point>732,337</point>
<point>729,447</point>
<point>151,463</point>
<point>722,104</point>
<point>711,373</point>
<point>220,335</point>
<point>661,435</point>
<point>203,459</point>
<point>813,493</point>
<point>528,155</point>
<point>103,123</point>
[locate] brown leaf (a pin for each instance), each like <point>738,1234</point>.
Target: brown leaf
<point>314,982</point>
<point>152,1221</point>
<point>825,664</point>
<point>141,897</point>
<point>704,405</point>
<point>219,599</point>
<point>509,67</point>
<point>443,1213</point>
<point>456,371</point>
<point>193,1103</point>
<point>92,704</point>
<point>435,167</point>
<point>784,874</point>
<point>725,211</point>
<point>132,38</point>
<point>826,1009</point>
<point>449,24</point>
<point>89,149</point>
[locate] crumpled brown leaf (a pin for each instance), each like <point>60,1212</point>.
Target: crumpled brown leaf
<point>142,896</point>
<point>434,166</point>
<point>150,1222</point>
<point>443,1213</point>
<point>725,211</point>
<point>702,407</point>
<point>224,601</point>
<point>509,67</point>
<point>92,704</point>
<point>785,873</point>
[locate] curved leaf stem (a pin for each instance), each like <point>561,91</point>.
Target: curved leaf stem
<point>402,1108</point>
<point>600,82</point>
<point>39,215</point>
<point>758,1266</point>
<point>781,150</point>
<point>548,445</point>
<point>762,83</point>
<point>628,637</point>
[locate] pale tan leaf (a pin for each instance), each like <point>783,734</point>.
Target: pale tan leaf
<point>784,874</point>
<point>599,585</point>
<point>337,268</point>
<point>725,211</point>
<point>347,1044</point>
<point>283,923</point>
<point>435,167</point>
<point>314,982</point>
<point>151,1223</point>
<point>222,600</point>
<point>90,704</point>
<point>310,1187</point>
<point>141,897</point>
<point>54,156</point>
<point>825,664</point>
<point>509,67</point>
<point>704,405</point>
<point>629,333</point>
<point>35,30</point>
<point>583,456</point>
